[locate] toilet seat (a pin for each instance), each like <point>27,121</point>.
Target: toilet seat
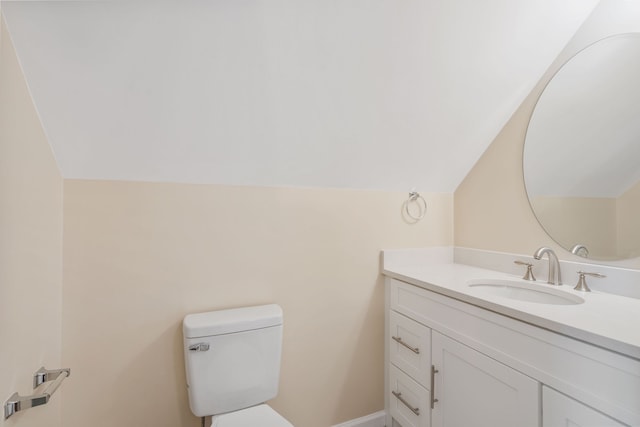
<point>261,415</point>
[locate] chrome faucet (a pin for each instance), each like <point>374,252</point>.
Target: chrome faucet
<point>580,250</point>
<point>555,276</point>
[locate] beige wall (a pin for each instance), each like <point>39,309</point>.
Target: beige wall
<point>30,246</point>
<point>590,221</point>
<point>492,210</point>
<point>608,226</point>
<point>140,256</point>
<point>629,221</point>
<point>491,207</point>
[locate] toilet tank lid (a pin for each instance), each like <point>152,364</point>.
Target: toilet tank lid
<point>232,320</point>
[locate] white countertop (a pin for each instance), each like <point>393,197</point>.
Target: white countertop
<point>606,320</point>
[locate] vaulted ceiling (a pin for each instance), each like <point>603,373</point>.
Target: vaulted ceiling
<point>380,94</point>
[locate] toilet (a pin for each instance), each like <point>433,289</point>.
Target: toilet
<point>232,361</point>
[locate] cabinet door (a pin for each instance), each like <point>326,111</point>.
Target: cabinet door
<point>559,410</point>
<point>474,390</point>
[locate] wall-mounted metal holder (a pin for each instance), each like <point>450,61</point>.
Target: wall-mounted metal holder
<point>18,403</point>
<point>421,204</point>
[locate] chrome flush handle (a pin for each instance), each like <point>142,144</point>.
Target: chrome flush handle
<point>201,346</point>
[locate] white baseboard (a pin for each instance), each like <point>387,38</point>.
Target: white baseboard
<point>373,420</point>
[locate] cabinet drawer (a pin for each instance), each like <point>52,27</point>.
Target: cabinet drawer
<point>410,347</point>
<point>409,401</point>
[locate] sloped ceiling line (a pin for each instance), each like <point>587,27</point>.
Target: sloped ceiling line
<point>374,94</point>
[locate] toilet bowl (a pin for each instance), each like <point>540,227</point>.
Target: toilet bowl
<point>261,415</point>
<point>232,362</point>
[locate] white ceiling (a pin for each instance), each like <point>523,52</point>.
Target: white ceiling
<point>380,94</point>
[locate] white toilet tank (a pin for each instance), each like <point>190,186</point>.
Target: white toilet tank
<point>232,358</point>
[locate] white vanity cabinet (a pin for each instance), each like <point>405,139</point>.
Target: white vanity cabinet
<point>453,364</point>
<point>562,411</point>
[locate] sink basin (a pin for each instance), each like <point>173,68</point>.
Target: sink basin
<point>530,292</point>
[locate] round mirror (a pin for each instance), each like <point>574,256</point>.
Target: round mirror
<point>581,155</point>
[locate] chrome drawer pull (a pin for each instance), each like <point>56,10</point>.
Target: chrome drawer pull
<point>399,341</point>
<point>399,397</point>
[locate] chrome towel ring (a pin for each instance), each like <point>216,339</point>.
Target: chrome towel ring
<point>417,204</point>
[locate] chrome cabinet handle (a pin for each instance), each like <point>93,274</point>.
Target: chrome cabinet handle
<point>416,350</point>
<point>434,371</point>
<point>401,399</point>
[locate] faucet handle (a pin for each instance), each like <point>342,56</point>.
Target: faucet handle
<point>529,274</point>
<point>582,283</point>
